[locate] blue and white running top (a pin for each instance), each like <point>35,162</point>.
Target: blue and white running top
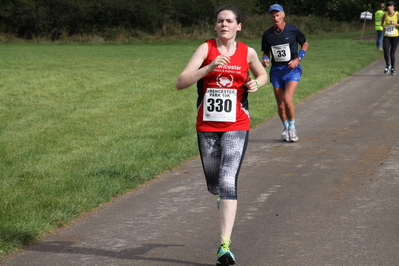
<point>283,45</point>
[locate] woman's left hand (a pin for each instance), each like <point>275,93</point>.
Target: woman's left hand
<point>251,85</point>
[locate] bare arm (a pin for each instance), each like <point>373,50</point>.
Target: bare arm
<point>256,69</point>
<point>192,72</point>
<point>305,46</point>
<point>383,21</point>
<point>295,62</point>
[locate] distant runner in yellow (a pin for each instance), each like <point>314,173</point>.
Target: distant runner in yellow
<point>390,24</point>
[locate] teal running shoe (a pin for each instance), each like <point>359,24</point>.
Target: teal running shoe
<point>224,256</point>
<point>387,70</point>
<point>218,201</point>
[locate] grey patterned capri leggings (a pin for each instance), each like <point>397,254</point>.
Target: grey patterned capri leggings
<point>222,154</point>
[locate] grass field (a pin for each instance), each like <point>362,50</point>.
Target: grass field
<point>83,123</point>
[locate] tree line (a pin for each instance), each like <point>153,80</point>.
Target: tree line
<point>50,18</point>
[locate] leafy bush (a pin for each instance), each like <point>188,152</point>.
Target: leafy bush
<point>123,19</point>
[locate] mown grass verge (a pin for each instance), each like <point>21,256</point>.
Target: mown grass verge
<point>83,123</point>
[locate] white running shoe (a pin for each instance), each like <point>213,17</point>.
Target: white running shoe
<point>292,135</point>
<point>285,136</point>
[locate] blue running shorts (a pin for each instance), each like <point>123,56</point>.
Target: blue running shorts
<point>281,75</point>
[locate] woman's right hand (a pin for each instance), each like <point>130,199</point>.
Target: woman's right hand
<point>221,60</point>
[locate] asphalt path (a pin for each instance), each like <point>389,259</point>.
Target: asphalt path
<point>329,199</point>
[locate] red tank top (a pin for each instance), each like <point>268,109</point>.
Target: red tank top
<point>222,96</point>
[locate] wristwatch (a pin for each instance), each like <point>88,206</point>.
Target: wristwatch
<point>300,58</point>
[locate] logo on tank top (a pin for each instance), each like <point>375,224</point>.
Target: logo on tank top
<point>224,81</point>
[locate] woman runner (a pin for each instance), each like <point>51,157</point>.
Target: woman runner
<point>220,67</point>
<point>390,24</point>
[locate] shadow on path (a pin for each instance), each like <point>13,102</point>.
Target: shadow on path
<point>65,247</point>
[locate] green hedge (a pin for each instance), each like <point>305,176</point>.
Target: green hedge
<point>58,19</point>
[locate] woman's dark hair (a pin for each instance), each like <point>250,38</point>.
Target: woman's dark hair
<point>231,8</point>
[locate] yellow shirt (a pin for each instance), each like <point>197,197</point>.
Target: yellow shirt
<point>391,30</point>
